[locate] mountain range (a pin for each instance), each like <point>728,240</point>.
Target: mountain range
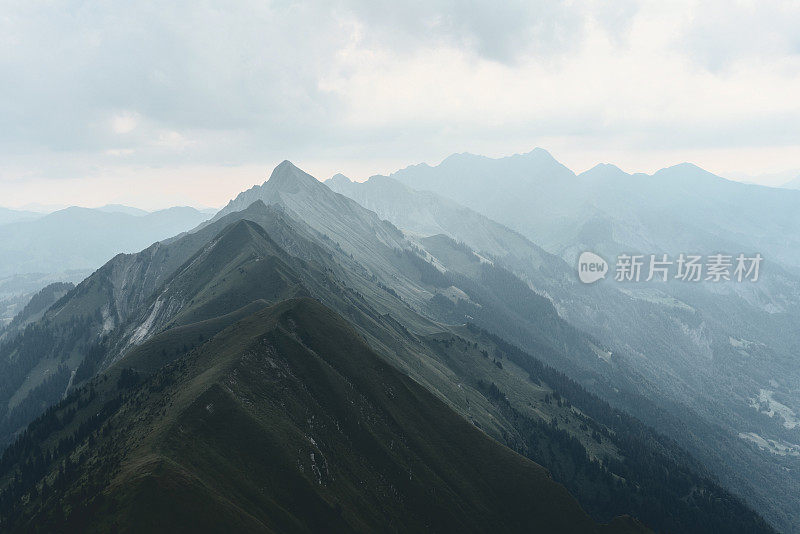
<point>541,198</point>
<point>16,291</point>
<point>9,215</point>
<point>83,238</point>
<point>300,360</point>
<point>720,357</point>
<point>794,183</point>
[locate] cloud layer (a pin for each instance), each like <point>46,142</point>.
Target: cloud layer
<point>119,93</point>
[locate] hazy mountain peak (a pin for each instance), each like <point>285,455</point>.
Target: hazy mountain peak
<point>73,209</point>
<point>605,167</point>
<point>685,166</point>
<point>287,181</point>
<point>288,177</point>
<point>460,157</point>
<point>604,171</point>
<point>285,164</point>
<point>538,159</point>
<point>121,208</point>
<point>379,178</point>
<point>316,204</point>
<point>338,179</point>
<point>539,153</point>
<point>688,173</point>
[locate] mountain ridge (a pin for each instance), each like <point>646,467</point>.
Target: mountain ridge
<point>634,328</point>
<point>186,284</point>
<point>407,444</point>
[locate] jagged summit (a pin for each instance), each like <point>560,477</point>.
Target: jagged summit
<point>286,180</point>
<point>306,199</point>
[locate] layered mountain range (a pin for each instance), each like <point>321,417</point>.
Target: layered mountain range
<point>720,357</point>
<point>300,363</point>
<point>84,238</point>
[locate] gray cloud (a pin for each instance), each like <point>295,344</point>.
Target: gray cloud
<point>183,65</point>
<point>500,31</point>
<point>87,86</point>
<point>722,32</point>
<point>65,68</point>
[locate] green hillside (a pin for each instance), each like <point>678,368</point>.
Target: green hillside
<point>285,421</point>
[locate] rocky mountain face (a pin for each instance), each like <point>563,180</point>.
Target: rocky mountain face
<point>336,216</point>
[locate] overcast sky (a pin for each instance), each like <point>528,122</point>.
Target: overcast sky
<point>154,104</point>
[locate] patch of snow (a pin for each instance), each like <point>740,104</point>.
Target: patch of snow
<point>781,448</point>
<point>603,354</point>
<point>484,259</point>
<point>766,404</point>
<point>738,343</point>
<point>433,260</point>
<point>454,294</point>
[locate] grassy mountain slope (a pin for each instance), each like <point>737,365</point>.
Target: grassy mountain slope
<point>76,335</point>
<point>286,421</point>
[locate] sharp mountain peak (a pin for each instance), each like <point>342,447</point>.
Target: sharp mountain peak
<point>288,177</point>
